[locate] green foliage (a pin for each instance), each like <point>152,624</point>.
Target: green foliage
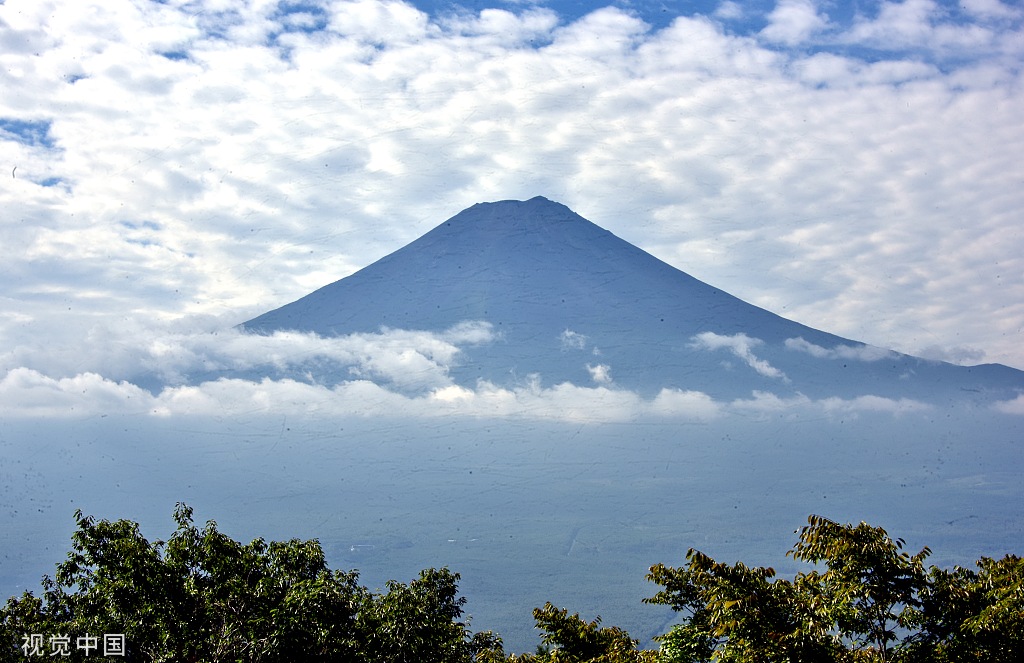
<point>866,600</point>
<point>202,596</point>
<point>570,639</point>
<point>871,585</point>
<point>973,615</point>
<point>738,613</point>
<point>418,623</point>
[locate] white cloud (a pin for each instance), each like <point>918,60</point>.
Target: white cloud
<point>793,22</point>
<point>766,403</point>
<point>404,359</point>
<point>571,340</point>
<point>763,402</point>
<point>954,355</point>
<point>361,398</point>
<point>1015,406</point>
<point>919,24</point>
<point>843,72</point>
<point>729,10</point>
<point>870,403</point>
<point>855,352</point>
<point>471,332</point>
<point>991,9</point>
<point>742,347</point>
<point>692,404</point>
<point>601,373</point>
<point>28,393</point>
<point>402,373</point>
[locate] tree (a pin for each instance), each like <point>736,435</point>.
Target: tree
<point>419,623</point>
<point>737,613</point>
<point>973,615</point>
<point>867,600</point>
<point>871,587</point>
<point>570,639</point>
<point>202,596</point>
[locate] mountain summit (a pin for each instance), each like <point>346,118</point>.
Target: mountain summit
<point>571,302</point>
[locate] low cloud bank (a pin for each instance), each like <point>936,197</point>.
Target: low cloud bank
<point>28,393</point>
<point>403,359</point>
<point>392,372</point>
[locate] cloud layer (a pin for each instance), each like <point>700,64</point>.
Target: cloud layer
<point>387,374</point>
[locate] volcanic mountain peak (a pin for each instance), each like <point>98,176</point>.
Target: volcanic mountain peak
<point>535,211</point>
<point>510,225</point>
<point>536,271</point>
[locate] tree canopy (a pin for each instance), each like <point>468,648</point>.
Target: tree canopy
<point>865,600</point>
<point>202,596</point>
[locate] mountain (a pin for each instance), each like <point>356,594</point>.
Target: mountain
<point>571,302</point>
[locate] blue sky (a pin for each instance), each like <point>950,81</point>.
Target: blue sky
<point>170,169</point>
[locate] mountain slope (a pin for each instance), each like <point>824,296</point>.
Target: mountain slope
<point>568,298</point>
